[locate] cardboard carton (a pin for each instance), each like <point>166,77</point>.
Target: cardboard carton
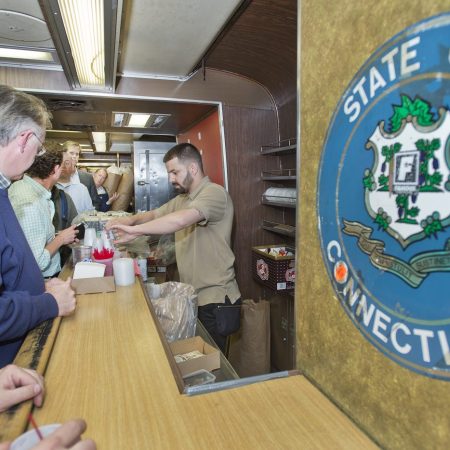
<point>94,285</point>
<point>88,278</point>
<point>209,361</point>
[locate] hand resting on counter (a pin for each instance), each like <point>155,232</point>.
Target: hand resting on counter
<point>64,295</point>
<point>18,385</point>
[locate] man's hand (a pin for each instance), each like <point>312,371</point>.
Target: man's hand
<point>18,385</point>
<point>123,233</point>
<point>68,235</point>
<point>66,437</point>
<point>64,295</point>
<point>129,220</point>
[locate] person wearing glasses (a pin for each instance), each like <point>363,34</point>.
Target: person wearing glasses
<point>31,199</point>
<point>26,299</point>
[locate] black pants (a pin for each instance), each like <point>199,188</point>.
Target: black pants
<point>221,320</point>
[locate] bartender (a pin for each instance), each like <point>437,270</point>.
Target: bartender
<point>201,217</point>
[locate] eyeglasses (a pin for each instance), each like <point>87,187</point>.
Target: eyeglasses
<point>42,150</point>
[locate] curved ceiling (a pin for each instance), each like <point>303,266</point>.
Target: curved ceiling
<point>262,45</point>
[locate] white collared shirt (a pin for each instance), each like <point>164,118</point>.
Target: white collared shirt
<point>79,194</point>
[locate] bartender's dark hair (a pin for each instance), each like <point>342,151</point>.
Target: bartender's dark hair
<point>185,152</point>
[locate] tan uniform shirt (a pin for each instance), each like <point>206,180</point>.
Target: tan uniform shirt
<point>203,252</point>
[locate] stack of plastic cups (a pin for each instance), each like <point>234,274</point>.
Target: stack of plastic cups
<point>103,243</point>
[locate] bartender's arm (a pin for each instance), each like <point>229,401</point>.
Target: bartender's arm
<point>135,219</point>
<point>169,223</point>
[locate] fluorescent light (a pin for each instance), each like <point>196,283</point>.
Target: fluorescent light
<point>99,141</point>
<point>138,120</point>
<point>25,54</point>
<point>86,37</point>
<point>83,22</point>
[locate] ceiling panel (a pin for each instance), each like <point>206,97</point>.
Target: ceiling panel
<point>167,38</point>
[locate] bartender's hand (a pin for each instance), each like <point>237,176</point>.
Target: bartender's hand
<point>123,233</point>
<point>67,437</point>
<point>18,385</point>
<point>128,220</point>
<point>64,295</point>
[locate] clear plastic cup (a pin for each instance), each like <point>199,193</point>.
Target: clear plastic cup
<point>81,253</point>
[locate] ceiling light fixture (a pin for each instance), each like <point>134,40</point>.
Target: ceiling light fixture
<point>86,36</point>
<point>139,120</point>
<point>99,141</point>
<point>15,53</point>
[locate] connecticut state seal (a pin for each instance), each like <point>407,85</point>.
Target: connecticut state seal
<point>385,238</point>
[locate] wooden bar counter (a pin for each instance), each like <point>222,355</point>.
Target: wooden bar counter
<point>109,365</point>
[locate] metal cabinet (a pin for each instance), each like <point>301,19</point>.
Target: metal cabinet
<point>151,184</point>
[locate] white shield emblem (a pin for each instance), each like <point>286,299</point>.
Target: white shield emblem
<point>407,189</point>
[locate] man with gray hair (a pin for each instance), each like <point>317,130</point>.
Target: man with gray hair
<point>26,299</point>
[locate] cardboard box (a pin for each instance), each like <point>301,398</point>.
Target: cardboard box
<point>209,361</point>
<point>94,285</point>
<point>88,278</point>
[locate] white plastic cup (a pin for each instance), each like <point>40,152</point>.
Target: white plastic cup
<point>30,439</point>
<point>142,263</point>
<point>154,290</point>
<point>90,234</point>
<point>123,271</point>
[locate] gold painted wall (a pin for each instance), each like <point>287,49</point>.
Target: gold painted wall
<point>398,408</point>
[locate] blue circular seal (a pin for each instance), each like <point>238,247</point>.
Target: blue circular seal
<point>384,198</point>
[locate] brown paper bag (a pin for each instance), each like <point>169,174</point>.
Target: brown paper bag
<point>250,348</point>
<point>112,183</point>
<point>125,191</point>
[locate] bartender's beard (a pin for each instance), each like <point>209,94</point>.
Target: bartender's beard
<point>185,184</point>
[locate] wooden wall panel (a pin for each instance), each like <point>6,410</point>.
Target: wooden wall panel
<point>397,407</point>
<point>246,130</point>
<point>261,45</point>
